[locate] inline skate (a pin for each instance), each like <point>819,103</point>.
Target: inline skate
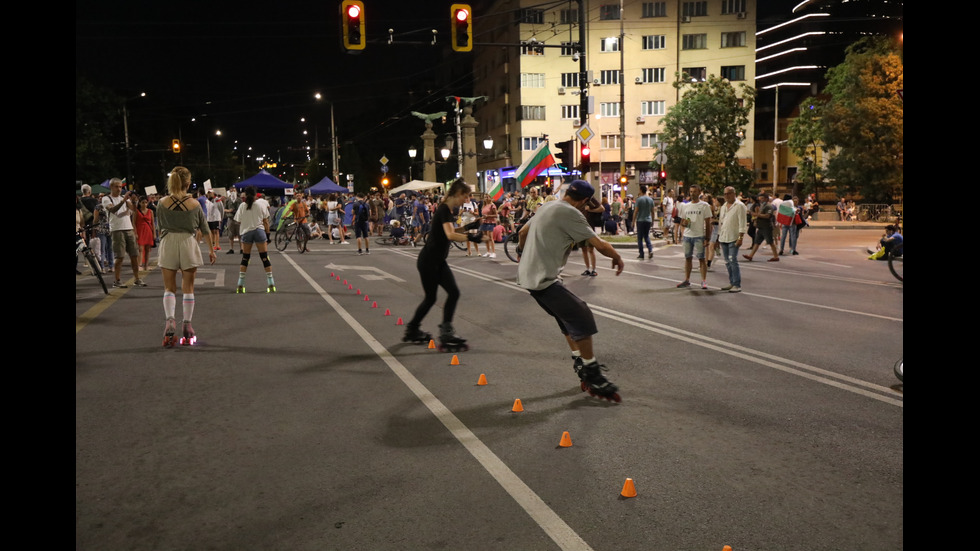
<point>596,384</point>
<point>415,335</point>
<point>449,341</point>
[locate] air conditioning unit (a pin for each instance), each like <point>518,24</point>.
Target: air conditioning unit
<point>640,119</point>
<point>576,122</point>
<point>638,80</point>
<point>686,19</point>
<point>596,82</point>
<point>741,15</point>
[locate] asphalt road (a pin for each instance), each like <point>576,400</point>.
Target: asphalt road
<point>764,420</point>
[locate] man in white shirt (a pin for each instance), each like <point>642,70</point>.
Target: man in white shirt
<point>696,221</point>
<point>120,209</point>
<point>732,225</point>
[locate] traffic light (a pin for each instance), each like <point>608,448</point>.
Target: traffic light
<point>585,158</point>
<point>176,146</point>
<point>662,177</point>
<point>352,22</point>
<point>384,181</point>
<point>462,27</point>
<point>566,156</point>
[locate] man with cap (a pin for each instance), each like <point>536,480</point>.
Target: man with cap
<point>544,244</point>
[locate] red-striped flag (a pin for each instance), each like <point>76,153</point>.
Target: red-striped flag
<point>536,164</point>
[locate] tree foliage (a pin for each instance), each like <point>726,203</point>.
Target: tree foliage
<point>862,120</point>
<point>96,115</point>
<point>704,130</point>
<point>806,142</point>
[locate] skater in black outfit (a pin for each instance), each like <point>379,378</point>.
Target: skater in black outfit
<point>434,270</point>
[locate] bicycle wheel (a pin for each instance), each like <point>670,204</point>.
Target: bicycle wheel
<point>282,239</point>
<point>384,241</point>
<point>510,246</point>
<point>96,269</point>
<point>300,237</point>
<point>896,267</point>
<point>461,245</point>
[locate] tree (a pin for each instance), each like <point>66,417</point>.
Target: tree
<point>806,142</point>
<point>863,119</point>
<point>704,130</point>
<point>97,114</point>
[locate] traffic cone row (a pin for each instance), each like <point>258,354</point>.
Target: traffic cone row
<point>629,488</point>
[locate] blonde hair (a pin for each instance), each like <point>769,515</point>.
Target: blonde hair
<point>395,223</point>
<point>180,181</point>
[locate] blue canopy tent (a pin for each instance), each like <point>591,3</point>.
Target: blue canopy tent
<point>326,185</point>
<point>264,182</point>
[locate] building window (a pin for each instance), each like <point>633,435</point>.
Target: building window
<point>652,108</point>
<point>610,141</point>
<point>609,77</point>
<point>569,111</point>
<point>695,9</point>
<point>569,48</point>
<point>610,44</point>
<point>654,42</point>
<point>569,16</point>
<point>732,6</point>
<point>654,74</point>
<point>532,49</point>
<point>733,72</point>
<point>569,80</point>
<point>696,73</point>
<point>608,12</point>
<point>532,80</point>
<point>609,109</point>
<point>648,140</point>
<point>655,9</point>
<point>530,144</point>
<point>733,40</point>
<point>694,41</point>
<point>532,113</point>
<point>531,16</point>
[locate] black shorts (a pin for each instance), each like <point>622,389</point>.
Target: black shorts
<point>214,225</point>
<point>361,229</point>
<point>573,315</point>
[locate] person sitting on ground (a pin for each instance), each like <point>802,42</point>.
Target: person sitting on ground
<point>398,233</point>
<point>890,243</point>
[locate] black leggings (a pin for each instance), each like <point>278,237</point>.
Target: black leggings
<point>434,275</point>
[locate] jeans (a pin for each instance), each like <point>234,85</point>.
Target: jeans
<point>643,234</point>
<point>792,231</point>
<point>107,257</point>
<point>729,251</point>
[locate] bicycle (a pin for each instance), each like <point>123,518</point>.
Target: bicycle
<point>895,265</point>
<point>82,248</point>
<point>292,232</point>
<point>404,241</point>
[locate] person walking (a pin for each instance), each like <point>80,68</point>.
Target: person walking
<point>434,270</point>
<point>593,212</point>
<point>232,226</point>
<point>214,215</point>
<point>695,218</point>
<point>488,224</point>
<point>786,217</point>
<point>361,218</point>
<point>145,232</point>
<point>762,217</point>
<point>120,209</point>
<point>180,219</point>
<point>732,225</point>
<point>544,244</point>
<point>644,221</point>
<point>253,218</point>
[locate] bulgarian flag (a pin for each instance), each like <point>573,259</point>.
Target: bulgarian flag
<point>496,192</point>
<point>538,163</point>
<point>785,213</point>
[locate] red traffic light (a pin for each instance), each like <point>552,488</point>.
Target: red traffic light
<point>585,151</point>
<point>353,11</point>
<point>461,27</point>
<point>462,15</point>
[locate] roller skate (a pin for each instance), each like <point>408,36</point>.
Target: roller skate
<point>577,364</point>
<point>271,289</point>
<point>189,337</point>
<point>415,335</point>
<point>240,289</point>
<point>170,333</point>
<point>449,341</point>
<point>596,384</point>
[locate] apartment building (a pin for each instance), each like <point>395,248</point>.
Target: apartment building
<point>528,67</point>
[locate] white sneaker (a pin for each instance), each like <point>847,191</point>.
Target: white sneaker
<point>344,243</point>
<point>484,254</point>
<point>735,290</point>
<point>492,255</point>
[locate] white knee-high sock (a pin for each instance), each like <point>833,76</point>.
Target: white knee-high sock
<point>169,304</point>
<point>188,304</point>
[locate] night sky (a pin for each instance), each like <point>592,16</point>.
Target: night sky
<point>251,69</point>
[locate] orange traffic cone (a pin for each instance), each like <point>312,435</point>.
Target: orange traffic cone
<point>455,360</point>
<point>387,312</point>
<point>432,343</point>
<point>518,407</point>
<point>628,489</point>
<point>482,380</point>
<point>566,440</point>
<point>726,548</point>
<point>399,322</point>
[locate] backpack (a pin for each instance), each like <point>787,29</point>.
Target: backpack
<point>362,212</point>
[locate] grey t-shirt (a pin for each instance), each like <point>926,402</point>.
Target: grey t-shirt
<point>644,209</point>
<point>555,227</point>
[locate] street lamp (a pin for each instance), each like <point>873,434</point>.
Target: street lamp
<point>412,152</point>
<point>129,165</point>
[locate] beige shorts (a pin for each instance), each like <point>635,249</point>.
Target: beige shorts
<point>124,241</point>
<point>180,251</point>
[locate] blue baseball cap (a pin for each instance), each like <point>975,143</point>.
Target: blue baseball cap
<point>580,189</point>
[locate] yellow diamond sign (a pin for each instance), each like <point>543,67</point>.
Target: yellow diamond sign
<point>585,134</point>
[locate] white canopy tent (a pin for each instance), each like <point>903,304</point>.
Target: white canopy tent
<point>415,185</point>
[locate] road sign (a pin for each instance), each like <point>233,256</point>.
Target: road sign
<point>384,160</point>
<point>585,133</point>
